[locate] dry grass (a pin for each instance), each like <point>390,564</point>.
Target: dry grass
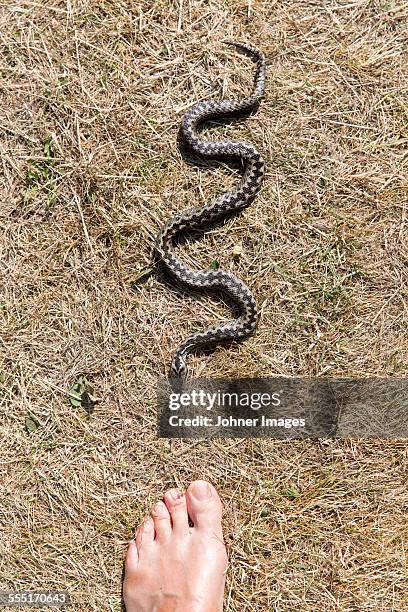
<point>92,94</point>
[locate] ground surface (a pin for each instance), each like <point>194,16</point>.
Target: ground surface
<point>91,96</point>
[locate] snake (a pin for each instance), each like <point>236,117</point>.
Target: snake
<point>199,218</point>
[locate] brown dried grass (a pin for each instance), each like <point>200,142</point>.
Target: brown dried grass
<point>324,249</point>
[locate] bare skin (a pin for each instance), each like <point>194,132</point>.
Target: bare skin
<point>172,567</point>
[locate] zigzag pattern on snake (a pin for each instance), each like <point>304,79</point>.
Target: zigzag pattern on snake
<point>200,217</point>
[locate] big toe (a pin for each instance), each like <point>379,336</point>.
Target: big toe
<point>204,506</point>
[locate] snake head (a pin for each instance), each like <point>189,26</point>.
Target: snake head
<point>178,365</point>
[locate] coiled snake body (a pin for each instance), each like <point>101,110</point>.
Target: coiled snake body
<point>226,203</point>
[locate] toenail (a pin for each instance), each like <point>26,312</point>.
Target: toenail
<point>176,494</point>
<point>159,508</point>
<point>201,490</point>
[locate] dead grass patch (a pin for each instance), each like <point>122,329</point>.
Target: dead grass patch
<point>91,98</point>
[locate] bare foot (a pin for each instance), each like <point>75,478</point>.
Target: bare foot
<point>171,567</point>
